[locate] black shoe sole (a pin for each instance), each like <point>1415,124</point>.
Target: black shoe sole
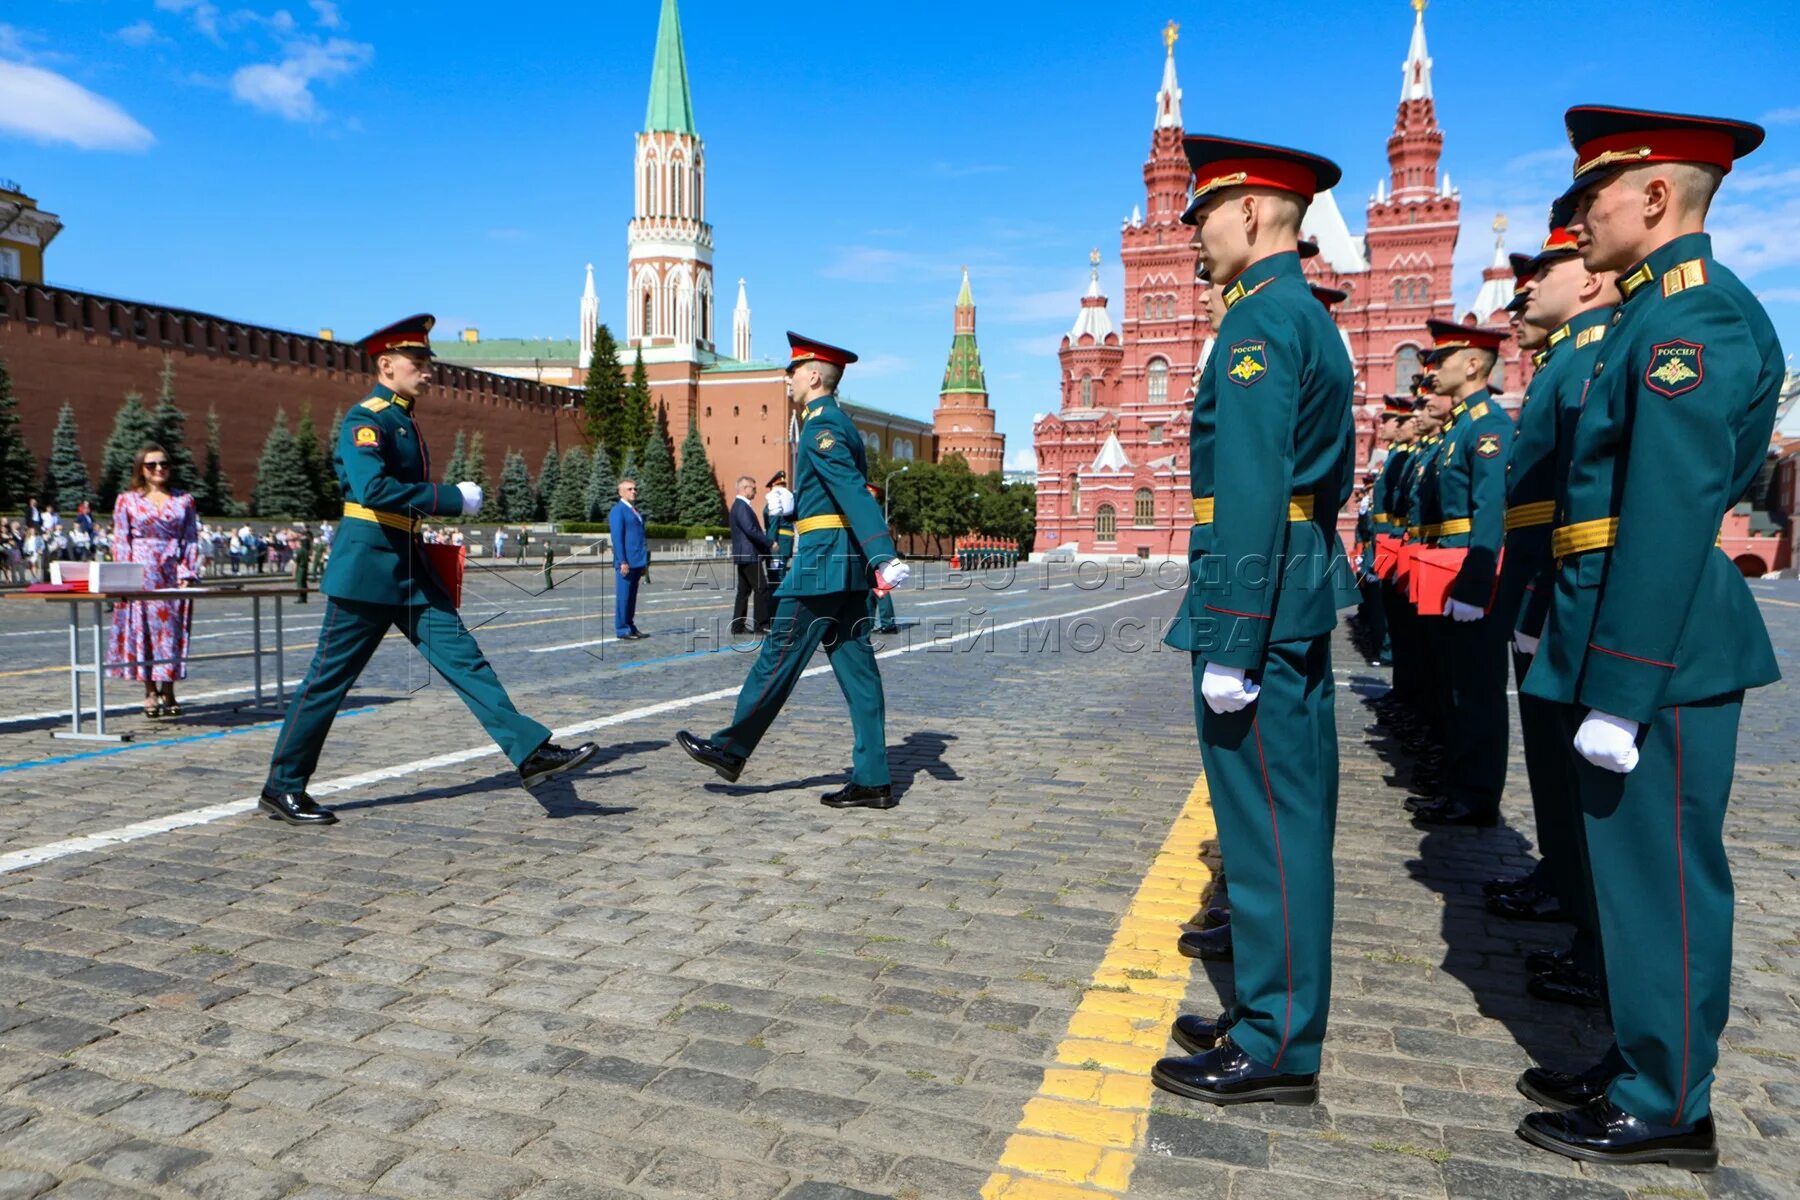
<point>275,814</point>
<point>725,773</point>
<point>1192,1045</point>
<point>1213,957</point>
<point>1698,1161</point>
<point>533,780</point>
<point>1273,1094</point>
<point>887,802</point>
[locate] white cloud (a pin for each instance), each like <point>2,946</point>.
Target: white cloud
<point>1781,116</point>
<point>204,15</point>
<point>1022,459</point>
<point>285,88</point>
<point>47,107</point>
<point>1780,295</point>
<point>326,13</point>
<point>1753,238</point>
<point>872,366</point>
<point>139,33</point>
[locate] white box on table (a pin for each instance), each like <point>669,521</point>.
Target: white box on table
<point>100,576</point>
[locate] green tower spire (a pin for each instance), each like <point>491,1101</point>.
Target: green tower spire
<point>671,108</point>
<point>963,373</point>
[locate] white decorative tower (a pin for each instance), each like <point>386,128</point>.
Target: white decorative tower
<point>590,318</point>
<point>740,326</point>
<point>669,279</point>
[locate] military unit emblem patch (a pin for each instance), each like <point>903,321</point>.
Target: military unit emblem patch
<point>1674,368</point>
<point>825,441</point>
<point>1249,362</point>
<point>1487,445</point>
<point>366,436</point>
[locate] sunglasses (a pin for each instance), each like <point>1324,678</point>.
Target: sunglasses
<point>156,466</point>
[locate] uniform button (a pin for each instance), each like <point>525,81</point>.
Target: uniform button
<point>1599,367</point>
<point>1616,316</point>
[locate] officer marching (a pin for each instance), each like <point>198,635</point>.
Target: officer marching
<point>1270,460</point>
<point>1653,635</point>
<point>842,552</point>
<point>378,579</point>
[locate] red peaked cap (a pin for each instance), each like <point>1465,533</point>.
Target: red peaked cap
<point>412,334</point>
<point>805,349</point>
<point>1448,336</point>
<point>1524,266</point>
<point>1608,139</point>
<point>1220,162</point>
<point>1396,406</point>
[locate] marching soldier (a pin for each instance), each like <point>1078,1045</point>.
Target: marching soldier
<point>1468,487</point>
<point>1271,451</point>
<point>1563,313</point>
<point>378,579</point>
<point>842,551</point>
<point>1653,636</point>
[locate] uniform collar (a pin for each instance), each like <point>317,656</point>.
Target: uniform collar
<point>383,392</point>
<point>818,405</point>
<point>1261,272</point>
<point>1665,256</point>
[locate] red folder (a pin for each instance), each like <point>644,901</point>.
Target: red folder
<point>446,563</point>
<point>1387,553</point>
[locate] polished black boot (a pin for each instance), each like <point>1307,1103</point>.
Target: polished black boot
<point>1567,985</point>
<point>1561,1090</point>
<point>1545,962</point>
<point>1528,904</point>
<point>1214,945</point>
<point>858,795</point>
<point>1513,883</point>
<point>729,766</point>
<point>1226,1075</point>
<point>1601,1131</point>
<point>550,760</point>
<point>296,808</point>
<point>1197,1034</point>
<point>1216,917</point>
<point>1455,814</point>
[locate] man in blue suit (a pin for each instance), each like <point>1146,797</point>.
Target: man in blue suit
<point>749,546</point>
<point>631,555</point>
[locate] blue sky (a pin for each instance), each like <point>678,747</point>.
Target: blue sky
<point>343,164</point>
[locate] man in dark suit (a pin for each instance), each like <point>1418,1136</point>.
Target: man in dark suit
<point>749,545</point>
<point>631,558</point>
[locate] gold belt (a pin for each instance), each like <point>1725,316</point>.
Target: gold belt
<point>828,521</point>
<point>1300,508</point>
<point>1599,534</point>
<point>1381,518</point>
<point>1453,527</point>
<point>1525,516</point>
<point>356,512</point>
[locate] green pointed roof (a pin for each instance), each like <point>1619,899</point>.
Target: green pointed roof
<point>963,373</point>
<point>671,108</point>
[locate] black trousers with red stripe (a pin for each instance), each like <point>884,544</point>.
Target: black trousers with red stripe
<point>1662,889</point>
<point>1272,773</point>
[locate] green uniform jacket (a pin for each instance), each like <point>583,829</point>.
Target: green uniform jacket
<point>382,463</point>
<point>1471,484</point>
<point>1538,459</point>
<point>1388,489</point>
<point>1272,419</point>
<point>830,479</point>
<point>1365,538</point>
<point>1674,427</point>
<point>1422,492</point>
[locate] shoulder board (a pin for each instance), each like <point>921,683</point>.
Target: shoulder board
<point>1683,276</point>
<point>1238,292</point>
<point>1479,411</point>
<point>1540,358</point>
<point>375,404</point>
<point>1589,336</point>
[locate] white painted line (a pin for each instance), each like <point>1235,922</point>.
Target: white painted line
<point>34,856</point>
<point>571,645</point>
<point>62,714</point>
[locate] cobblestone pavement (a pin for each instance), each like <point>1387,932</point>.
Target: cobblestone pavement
<point>644,984</point>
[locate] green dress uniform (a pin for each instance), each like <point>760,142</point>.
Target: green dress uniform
<point>1390,522</point>
<point>1420,506</point>
<point>378,579</point>
<point>841,538</point>
<point>1651,622</point>
<point>1271,465</point>
<point>1538,460</point>
<point>1370,613</point>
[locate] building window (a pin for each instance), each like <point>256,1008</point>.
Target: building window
<point>1087,391</point>
<point>1106,525</point>
<point>875,442</point>
<point>1143,508</point>
<point>709,411</point>
<point>1158,372</point>
<point>9,264</point>
<point>1399,291</point>
<point>644,316</point>
<point>1074,495</point>
<point>1406,365</point>
<point>1156,435</point>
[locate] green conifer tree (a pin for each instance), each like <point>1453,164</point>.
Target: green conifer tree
<point>312,459</point>
<point>132,428</point>
<point>456,470</point>
<point>476,463</point>
<point>569,503</point>
<point>658,497</point>
<point>602,486</point>
<point>65,474</point>
<point>282,487</point>
<point>170,424</point>
<point>18,470</point>
<point>638,418</point>
<point>331,493</point>
<point>212,491</point>
<point>546,485</point>
<point>603,398</point>
<point>514,501</point>
<point>701,502</point>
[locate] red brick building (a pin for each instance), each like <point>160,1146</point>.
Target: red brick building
<point>1112,460</point>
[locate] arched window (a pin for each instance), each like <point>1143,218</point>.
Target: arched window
<point>1158,372</point>
<point>1143,508</point>
<point>1399,290</point>
<point>1406,365</point>
<point>648,311</point>
<point>1074,495</point>
<point>1087,391</point>
<point>1424,291</point>
<point>675,174</point>
<point>1106,525</point>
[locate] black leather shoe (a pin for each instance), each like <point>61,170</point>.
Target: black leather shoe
<point>296,808</point>
<point>550,760</point>
<point>1226,1075</point>
<point>1528,904</point>
<point>729,766</point>
<point>1216,917</point>
<point>1413,804</point>
<point>1560,1090</point>
<point>1197,1034</point>
<point>857,795</point>
<point>1497,887</point>
<point>1601,1131</point>
<point>1545,962</point>
<point>1455,814</point>
<point>1571,985</point>
<point>1214,945</point>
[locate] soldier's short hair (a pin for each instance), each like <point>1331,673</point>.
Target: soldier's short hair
<point>830,374</point>
<point>1695,184</point>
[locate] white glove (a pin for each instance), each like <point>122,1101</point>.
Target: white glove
<point>891,574</point>
<point>1608,741</point>
<point>472,497</point>
<point>1456,610</point>
<point>781,502</point>
<point>1225,690</point>
<point>1524,643</point>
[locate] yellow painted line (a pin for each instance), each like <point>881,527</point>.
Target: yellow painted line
<point>1079,1136</point>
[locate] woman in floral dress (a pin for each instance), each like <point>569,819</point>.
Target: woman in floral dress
<point>157,527</point>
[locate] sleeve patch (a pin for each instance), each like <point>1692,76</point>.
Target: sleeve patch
<point>825,440</point>
<point>366,435</point>
<point>1249,362</point>
<point>1674,368</point>
<point>1487,445</point>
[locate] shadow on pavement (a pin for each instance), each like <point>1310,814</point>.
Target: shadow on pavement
<point>919,753</point>
<point>557,797</point>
